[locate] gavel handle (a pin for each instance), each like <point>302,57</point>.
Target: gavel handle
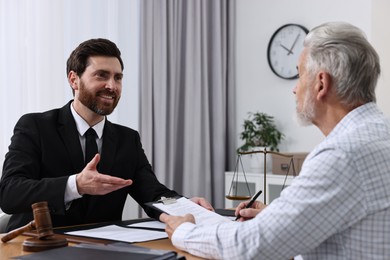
<point>14,233</point>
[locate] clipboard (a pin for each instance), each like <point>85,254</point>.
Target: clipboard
<point>163,200</point>
<point>180,206</point>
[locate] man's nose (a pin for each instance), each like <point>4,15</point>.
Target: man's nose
<point>112,84</point>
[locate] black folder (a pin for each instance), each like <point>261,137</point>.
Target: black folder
<point>116,251</point>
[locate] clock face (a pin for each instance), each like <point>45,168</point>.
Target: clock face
<point>284,48</point>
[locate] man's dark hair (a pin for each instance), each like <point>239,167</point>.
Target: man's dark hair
<point>78,59</point>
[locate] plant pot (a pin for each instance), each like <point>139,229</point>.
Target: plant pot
<point>257,160</point>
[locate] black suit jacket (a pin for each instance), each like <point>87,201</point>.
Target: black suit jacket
<point>45,149</point>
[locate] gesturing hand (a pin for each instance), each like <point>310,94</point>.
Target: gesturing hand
<point>91,182</point>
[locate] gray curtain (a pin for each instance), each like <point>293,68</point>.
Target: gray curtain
<point>187,105</point>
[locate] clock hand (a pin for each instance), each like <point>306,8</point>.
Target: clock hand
<point>284,47</point>
<point>292,47</point>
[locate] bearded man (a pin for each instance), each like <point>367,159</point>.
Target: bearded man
<point>49,159</point>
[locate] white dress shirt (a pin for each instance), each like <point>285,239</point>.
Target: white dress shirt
<point>71,192</point>
<point>337,208</point>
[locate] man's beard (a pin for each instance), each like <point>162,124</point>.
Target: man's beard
<point>90,100</point>
<point>306,115</point>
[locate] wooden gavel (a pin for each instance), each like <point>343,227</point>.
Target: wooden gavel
<point>42,223</point>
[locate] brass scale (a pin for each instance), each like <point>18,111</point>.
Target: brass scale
<point>234,183</point>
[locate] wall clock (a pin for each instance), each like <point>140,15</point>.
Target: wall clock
<point>284,49</point>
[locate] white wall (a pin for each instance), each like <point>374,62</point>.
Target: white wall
<point>258,89</point>
<point>381,41</point>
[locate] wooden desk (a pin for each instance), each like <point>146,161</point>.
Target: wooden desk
<point>14,247</point>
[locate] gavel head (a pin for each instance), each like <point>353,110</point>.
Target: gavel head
<point>42,223</point>
<point>42,219</point>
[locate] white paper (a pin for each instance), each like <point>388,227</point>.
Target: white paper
<point>184,206</point>
<point>118,233</point>
<point>149,224</point>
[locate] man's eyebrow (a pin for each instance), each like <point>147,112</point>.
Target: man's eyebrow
<point>108,72</point>
<point>101,71</point>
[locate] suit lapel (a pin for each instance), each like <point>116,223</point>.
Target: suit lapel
<point>68,132</point>
<point>109,149</point>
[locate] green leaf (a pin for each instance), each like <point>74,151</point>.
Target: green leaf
<point>260,130</point>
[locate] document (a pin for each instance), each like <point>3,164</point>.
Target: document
<point>149,224</point>
<point>113,232</point>
<point>183,206</point>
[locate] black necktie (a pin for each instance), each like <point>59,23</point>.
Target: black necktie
<point>91,148</point>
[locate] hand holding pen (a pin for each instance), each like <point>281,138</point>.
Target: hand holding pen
<point>249,204</point>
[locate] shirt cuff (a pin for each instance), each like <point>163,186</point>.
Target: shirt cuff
<point>181,232</point>
<point>71,192</point>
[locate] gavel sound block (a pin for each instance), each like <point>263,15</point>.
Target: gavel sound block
<point>42,223</point>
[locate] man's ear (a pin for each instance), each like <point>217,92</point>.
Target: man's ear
<point>323,84</point>
<point>73,80</point>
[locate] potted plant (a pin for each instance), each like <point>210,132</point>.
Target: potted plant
<point>260,130</point>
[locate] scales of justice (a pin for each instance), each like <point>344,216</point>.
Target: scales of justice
<point>234,185</point>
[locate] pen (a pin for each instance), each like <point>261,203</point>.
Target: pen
<point>250,203</point>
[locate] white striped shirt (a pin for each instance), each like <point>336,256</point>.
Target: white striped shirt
<point>337,208</point>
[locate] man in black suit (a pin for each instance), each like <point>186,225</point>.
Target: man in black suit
<point>46,160</point>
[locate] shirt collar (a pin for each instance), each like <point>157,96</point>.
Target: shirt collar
<point>82,125</point>
<point>355,116</point>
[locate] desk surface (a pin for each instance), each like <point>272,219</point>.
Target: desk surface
<point>14,247</point>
